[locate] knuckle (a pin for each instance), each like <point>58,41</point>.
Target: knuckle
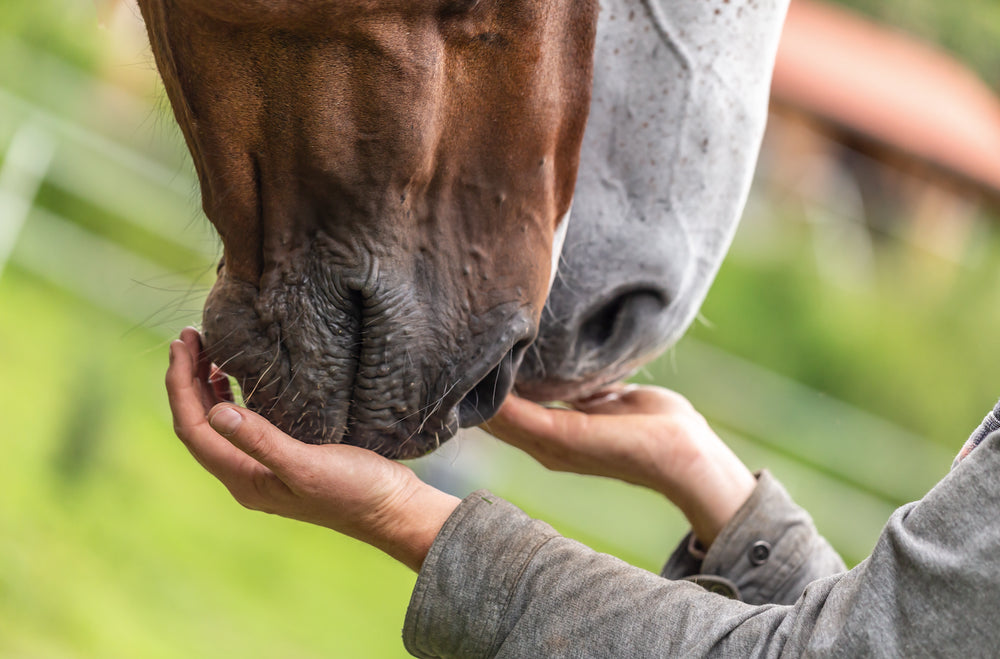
<point>252,499</point>
<point>569,425</point>
<point>183,431</point>
<point>554,459</point>
<point>672,427</point>
<point>674,401</point>
<point>257,444</point>
<point>245,499</point>
<point>310,484</point>
<point>266,491</point>
<point>262,486</point>
<point>688,425</point>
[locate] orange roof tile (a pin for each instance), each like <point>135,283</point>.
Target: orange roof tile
<point>891,88</point>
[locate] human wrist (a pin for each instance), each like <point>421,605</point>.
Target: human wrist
<point>710,488</point>
<point>412,522</point>
<point>725,488</point>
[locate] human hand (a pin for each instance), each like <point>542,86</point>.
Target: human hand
<point>345,488</point>
<point>648,436</point>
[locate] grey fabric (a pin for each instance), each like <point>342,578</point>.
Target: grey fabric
<point>497,583</point>
<point>770,550</point>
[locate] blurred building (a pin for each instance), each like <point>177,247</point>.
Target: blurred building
<point>876,127</point>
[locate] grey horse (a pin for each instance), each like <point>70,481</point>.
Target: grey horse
<point>678,111</point>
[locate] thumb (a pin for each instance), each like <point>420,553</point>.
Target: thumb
<point>258,438</point>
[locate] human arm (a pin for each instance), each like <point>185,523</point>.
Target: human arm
<point>497,583</point>
<point>647,436</point>
<point>382,502</point>
<point>345,488</point>
<point>768,552</point>
<point>749,538</point>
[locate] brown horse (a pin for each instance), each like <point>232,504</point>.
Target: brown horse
<point>390,179</point>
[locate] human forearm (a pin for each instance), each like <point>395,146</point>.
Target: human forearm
<point>770,549</point>
<point>647,436</point>
<point>497,583</point>
<point>710,488</point>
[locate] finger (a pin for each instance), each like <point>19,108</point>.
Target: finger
<point>614,399</point>
<point>259,439</point>
<point>192,340</point>
<point>217,455</point>
<point>634,399</point>
<point>562,440</point>
<point>182,385</point>
<point>525,424</point>
<point>221,389</point>
<point>203,371</point>
<point>561,433</point>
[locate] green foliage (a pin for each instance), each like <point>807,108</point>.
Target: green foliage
<point>60,28</point>
<point>912,345</point>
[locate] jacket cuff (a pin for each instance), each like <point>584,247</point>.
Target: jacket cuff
<point>770,549</point>
<point>468,578</point>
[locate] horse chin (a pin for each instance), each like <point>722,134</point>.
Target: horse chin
<point>363,367</point>
<point>387,444</point>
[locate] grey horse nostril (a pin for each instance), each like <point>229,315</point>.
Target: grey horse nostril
<point>620,320</point>
<point>484,400</point>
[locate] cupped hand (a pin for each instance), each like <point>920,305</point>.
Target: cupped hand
<point>348,489</point>
<point>648,436</point>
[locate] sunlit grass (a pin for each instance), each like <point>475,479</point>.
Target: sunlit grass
<point>122,546</point>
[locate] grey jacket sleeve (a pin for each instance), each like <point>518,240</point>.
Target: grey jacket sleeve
<point>768,553</point>
<point>497,583</point>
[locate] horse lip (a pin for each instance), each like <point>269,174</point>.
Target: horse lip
<point>502,378</point>
<point>448,420</point>
<point>517,332</point>
<point>426,433</point>
<point>347,390</point>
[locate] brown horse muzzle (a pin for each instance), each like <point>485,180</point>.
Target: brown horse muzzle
<point>387,178</point>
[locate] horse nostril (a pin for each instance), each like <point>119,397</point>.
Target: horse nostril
<point>619,321</point>
<point>487,396</point>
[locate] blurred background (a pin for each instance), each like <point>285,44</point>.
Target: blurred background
<point>849,344</point>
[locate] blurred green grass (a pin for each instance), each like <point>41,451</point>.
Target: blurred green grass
<point>114,543</point>
<point>914,345</point>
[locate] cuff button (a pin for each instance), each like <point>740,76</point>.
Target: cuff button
<point>759,552</point>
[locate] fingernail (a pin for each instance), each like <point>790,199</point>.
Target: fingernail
<point>226,421</point>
